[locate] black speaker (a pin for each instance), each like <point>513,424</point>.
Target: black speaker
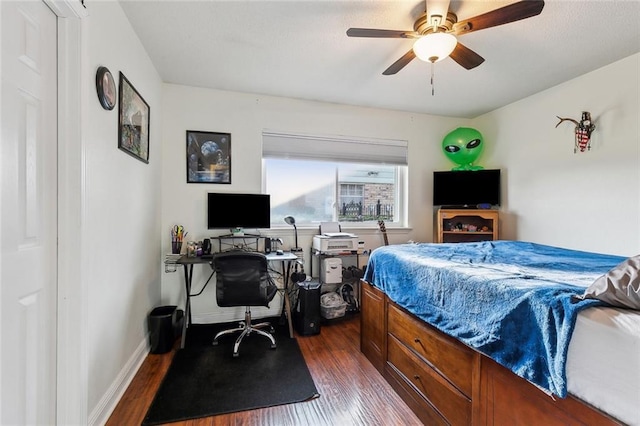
<point>267,245</point>
<point>306,315</point>
<point>206,246</point>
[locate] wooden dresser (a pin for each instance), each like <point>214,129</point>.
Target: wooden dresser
<point>433,369</point>
<point>447,383</point>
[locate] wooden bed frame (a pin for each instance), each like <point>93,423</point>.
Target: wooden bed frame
<point>446,382</point>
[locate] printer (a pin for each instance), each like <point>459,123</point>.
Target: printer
<point>335,243</point>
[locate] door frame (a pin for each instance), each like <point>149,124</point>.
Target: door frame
<point>72,310</point>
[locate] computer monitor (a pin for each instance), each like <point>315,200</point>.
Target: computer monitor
<point>238,211</point>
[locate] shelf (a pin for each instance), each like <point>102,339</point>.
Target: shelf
<point>318,256</point>
<point>230,242</point>
<point>469,232</point>
<point>452,224</point>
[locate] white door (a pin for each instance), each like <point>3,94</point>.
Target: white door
<point>28,213</point>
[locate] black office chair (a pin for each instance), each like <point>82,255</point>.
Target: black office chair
<point>242,279</point>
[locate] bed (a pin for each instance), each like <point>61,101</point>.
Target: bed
<point>518,305</point>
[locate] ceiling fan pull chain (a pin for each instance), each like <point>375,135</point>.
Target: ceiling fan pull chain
<point>432,74</point>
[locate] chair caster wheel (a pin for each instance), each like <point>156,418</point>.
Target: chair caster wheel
<point>236,355</point>
<point>273,346</point>
<point>215,343</point>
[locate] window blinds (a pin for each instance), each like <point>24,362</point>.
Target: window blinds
<point>333,148</point>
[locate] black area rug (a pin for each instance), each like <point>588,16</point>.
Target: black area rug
<point>205,380</point>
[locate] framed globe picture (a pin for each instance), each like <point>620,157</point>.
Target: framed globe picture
<point>208,157</point>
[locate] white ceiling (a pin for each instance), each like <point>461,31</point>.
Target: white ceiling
<point>299,49</point>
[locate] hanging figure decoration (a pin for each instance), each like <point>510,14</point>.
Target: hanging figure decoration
<point>583,131</point>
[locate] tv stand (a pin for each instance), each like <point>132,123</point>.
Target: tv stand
<point>462,225</point>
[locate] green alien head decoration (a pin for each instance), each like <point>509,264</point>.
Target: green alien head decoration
<point>463,146</point>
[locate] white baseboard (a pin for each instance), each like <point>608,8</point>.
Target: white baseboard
<point>110,399</point>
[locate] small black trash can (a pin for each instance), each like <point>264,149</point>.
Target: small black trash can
<point>161,329</point>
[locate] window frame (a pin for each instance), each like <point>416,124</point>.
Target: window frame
<point>401,174</point>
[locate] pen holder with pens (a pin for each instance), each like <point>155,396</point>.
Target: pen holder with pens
<point>176,247</point>
<point>177,235</point>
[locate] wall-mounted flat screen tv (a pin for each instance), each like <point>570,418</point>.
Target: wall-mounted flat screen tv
<point>230,211</point>
<point>466,188</point>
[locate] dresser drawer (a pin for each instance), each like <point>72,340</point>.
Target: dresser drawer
<point>451,358</point>
<point>449,401</point>
<point>373,332</point>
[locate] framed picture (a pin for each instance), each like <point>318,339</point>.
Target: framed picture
<point>208,157</point>
<point>133,122</point>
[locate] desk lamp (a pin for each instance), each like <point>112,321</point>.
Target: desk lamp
<point>291,221</point>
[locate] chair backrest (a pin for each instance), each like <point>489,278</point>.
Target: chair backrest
<point>242,279</point>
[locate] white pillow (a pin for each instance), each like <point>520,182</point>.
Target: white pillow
<point>620,286</point>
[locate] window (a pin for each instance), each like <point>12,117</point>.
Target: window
<point>316,179</point>
<point>350,200</point>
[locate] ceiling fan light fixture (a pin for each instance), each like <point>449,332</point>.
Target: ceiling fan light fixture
<point>434,47</point>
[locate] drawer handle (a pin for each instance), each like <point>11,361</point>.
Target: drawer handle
<point>417,380</point>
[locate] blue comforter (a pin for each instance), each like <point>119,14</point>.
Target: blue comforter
<point>510,300</point>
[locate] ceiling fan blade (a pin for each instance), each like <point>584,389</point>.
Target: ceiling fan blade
<point>511,13</point>
<point>466,57</point>
<point>400,63</point>
<point>371,32</point>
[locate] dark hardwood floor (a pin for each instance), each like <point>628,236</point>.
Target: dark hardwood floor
<point>352,392</point>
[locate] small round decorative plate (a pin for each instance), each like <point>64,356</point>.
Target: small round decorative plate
<point>106,87</point>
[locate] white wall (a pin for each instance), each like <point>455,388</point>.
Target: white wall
<point>245,116</point>
<point>121,210</point>
<point>588,200</point>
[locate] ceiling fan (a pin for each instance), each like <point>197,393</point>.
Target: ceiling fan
<point>436,30</point>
